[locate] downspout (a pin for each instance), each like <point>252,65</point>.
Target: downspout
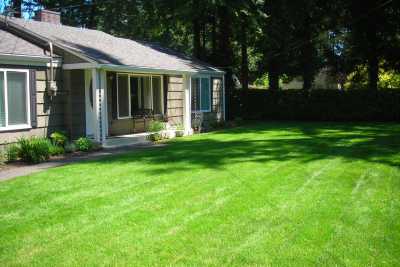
<point>52,85</point>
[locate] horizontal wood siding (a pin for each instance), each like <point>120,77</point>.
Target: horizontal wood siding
<point>175,99</point>
<point>50,109</point>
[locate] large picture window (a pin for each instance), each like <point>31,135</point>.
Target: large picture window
<point>14,99</point>
<point>139,94</point>
<point>201,94</point>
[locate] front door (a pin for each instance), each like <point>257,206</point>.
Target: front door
<point>89,104</point>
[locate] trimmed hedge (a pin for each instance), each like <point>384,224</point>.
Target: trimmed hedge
<point>317,105</point>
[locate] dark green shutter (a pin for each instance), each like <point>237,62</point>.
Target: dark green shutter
<point>33,104</point>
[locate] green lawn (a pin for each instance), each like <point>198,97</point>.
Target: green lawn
<point>264,194</point>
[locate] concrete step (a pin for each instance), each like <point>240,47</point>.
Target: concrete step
<point>126,140</point>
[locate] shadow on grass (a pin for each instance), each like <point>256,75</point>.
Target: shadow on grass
<point>302,142</point>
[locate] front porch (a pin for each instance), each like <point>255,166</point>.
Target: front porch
<point>120,106</point>
<point>106,103</point>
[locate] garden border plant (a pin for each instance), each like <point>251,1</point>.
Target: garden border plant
<point>35,149</point>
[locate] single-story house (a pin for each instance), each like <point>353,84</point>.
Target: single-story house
<point>90,83</point>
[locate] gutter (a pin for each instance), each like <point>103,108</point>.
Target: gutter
<point>29,60</point>
<point>6,56</point>
<point>126,68</point>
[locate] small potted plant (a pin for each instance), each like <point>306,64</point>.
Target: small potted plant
<point>179,130</point>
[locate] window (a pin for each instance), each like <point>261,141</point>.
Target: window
<point>139,94</point>
<point>123,96</point>
<point>14,99</point>
<point>201,94</point>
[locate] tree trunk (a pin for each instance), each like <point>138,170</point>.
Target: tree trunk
<point>245,63</point>
<point>214,39</point>
<point>273,74</point>
<point>373,61</point>
<point>225,52</point>
<point>203,54</point>
<point>17,6</point>
<point>196,30</point>
<point>373,75</point>
<point>307,56</point>
<point>92,15</point>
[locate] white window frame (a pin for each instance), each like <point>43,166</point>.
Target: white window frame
<point>209,88</point>
<point>28,102</point>
<point>151,92</point>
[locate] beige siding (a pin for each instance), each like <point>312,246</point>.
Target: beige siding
<point>50,110</point>
<point>175,99</point>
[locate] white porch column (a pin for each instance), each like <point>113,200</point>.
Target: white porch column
<point>100,104</point>
<point>187,105</point>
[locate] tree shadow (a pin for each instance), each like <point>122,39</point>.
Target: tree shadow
<point>261,143</point>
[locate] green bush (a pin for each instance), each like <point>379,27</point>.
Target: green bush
<point>34,150</point>
<point>11,153</point>
<point>154,137</point>
<point>56,150</point>
<point>217,124</point>
<point>84,144</point>
<point>317,105</point>
<point>70,148</point>
<point>59,139</point>
<point>156,126</point>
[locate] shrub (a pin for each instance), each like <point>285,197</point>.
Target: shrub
<point>317,105</point>
<point>84,144</point>
<point>56,150</point>
<point>238,120</point>
<point>156,126</point>
<point>34,150</point>
<point>70,148</point>
<point>154,137</point>
<point>11,153</point>
<point>58,139</point>
<point>217,124</point>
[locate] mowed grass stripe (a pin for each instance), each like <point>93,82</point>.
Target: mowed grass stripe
<point>264,194</point>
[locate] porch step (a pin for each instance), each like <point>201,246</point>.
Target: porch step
<point>126,140</point>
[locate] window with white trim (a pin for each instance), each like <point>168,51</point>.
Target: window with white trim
<point>201,94</point>
<point>139,94</point>
<point>14,99</point>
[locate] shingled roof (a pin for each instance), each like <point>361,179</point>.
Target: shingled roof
<point>104,48</point>
<point>14,45</point>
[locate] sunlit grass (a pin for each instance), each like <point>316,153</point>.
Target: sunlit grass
<point>263,194</point>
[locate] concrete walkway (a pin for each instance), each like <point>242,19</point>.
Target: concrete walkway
<point>13,171</point>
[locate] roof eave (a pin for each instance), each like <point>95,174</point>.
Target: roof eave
<point>155,70</point>
<point>138,69</point>
<point>30,60</point>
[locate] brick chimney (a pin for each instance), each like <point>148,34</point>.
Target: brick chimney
<point>48,16</point>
